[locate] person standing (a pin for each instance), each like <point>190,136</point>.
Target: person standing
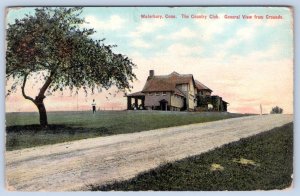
<point>94,106</point>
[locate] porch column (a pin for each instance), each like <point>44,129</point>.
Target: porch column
<point>143,102</point>
<point>136,102</point>
<point>128,103</point>
<point>221,101</point>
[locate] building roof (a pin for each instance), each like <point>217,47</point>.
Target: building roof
<point>178,92</point>
<point>167,82</point>
<point>201,86</point>
<point>136,94</point>
<point>225,102</point>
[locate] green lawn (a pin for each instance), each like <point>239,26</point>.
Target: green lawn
<point>23,130</point>
<point>261,162</point>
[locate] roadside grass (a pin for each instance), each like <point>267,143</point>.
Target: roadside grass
<point>260,162</point>
<point>23,130</point>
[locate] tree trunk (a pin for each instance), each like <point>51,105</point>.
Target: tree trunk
<point>39,100</point>
<point>42,111</point>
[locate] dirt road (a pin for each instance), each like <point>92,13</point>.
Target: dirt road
<point>74,165</point>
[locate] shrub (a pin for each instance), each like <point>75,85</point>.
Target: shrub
<point>276,110</point>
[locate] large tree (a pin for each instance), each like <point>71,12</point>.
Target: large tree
<point>53,45</point>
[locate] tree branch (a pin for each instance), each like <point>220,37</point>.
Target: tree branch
<point>23,89</point>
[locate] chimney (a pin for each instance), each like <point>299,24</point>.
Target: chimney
<point>151,73</point>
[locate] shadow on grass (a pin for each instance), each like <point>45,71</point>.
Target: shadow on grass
<point>53,128</point>
<point>24,136</point>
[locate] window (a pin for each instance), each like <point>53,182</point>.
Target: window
<point>150,94</point>
<point>164,93</point>
<point>157,93</point>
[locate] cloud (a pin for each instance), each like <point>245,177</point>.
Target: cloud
<point>265,55</point>
<point>184,33</point>
<point>242,36</point>
<point>249,32</point>
<point>210,28</point>
<point>245,33</point>
<point>113,23</point>
<point>139,43</point>
<point>182,50</point>
<point>147,27</point>
<point>143,28</point>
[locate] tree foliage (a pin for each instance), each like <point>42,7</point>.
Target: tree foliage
<point>53,43</point>
<point>276,110</point>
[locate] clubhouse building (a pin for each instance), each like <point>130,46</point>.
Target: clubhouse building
<point>175,92</point>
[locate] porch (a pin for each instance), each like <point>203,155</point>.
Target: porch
<point>136,101</point>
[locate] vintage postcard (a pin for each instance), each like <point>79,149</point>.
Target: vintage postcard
<point>149,98</point>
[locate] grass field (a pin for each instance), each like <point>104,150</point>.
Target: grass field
<point>23,130</point>
<point>261,162</point>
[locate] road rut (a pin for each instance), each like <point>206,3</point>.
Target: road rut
<point>75,165</point>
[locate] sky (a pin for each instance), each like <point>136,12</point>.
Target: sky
<point>248,62</point>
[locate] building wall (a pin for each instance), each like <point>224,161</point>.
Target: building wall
<point>153,100</point>
<point>177,101</point>
<point>191,96</point>
<point>189,92</point>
